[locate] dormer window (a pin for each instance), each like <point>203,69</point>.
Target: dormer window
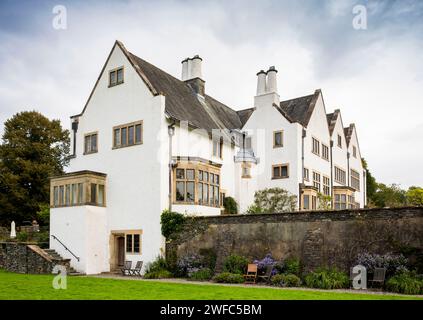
<point>115,77</point>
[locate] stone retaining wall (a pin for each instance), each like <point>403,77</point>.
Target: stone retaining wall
<point>319,238</point>
<point>27,258</point>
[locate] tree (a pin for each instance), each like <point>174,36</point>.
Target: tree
<point>389,196</point>
<point>414,196</point>
<point>324,201</point>
<point>33,149</point>
<point>371,184</point>
<point>273,200</point>
<point>230,205</point>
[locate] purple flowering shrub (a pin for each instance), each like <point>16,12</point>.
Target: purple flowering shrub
<point>189,264</point>
<point>265,262</point>
<point>391,262</point>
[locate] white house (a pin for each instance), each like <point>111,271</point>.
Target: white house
<point>146,141</point>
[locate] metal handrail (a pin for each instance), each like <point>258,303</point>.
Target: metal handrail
<point>66,248</point>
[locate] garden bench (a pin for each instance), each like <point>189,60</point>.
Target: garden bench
<point>126,270</point>
<point>137,270</point>
<point>268,274</point>
<point>251,275</point>
<point>378,277</point>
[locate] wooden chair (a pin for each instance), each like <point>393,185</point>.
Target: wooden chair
<point>268,274</point>
<point>378,277</point>
<point>137,270</point>
<point>251,275</point>
<point>126,270</point>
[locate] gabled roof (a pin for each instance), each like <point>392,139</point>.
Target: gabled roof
<point>244,115</point>
<point>300,109</point>
<point>348,131</point>
<point>332,118</point>
<point>181,103</point>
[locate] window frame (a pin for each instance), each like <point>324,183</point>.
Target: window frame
<point>313,140</point>
<point>339,171</point>
<point>132,234</point>
<point>281,132</point>
<point>89,135</point>
<point>326,185</point>
<point>280,171</point>
<point>126,126</point>
<point>325,147</point>
<point>355,178</point>
<point>218,152</point>
<point>206,177</point>
<point>115,70</point>
<point>339,142</point>
<point>317,183</point>
<point>355,152</point>
<point>306,176</point>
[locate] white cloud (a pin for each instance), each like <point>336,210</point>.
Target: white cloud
<point>374,76</point>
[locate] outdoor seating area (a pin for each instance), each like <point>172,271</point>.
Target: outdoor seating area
<point>128,271</point>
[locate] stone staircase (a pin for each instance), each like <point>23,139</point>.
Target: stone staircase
<point>55,256</point>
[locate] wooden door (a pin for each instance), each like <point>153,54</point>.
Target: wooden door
<point>121,251</point>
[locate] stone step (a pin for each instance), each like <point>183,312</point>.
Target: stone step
<point>53,253</point>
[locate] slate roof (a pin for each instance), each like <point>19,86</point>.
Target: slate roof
<point>245,114</point>
<point>348,131</point>
<point>300,109</point>
<point>183,104</point>
<point>332,118</point>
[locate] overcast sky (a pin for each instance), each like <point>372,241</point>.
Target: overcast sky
<point>375,76</point>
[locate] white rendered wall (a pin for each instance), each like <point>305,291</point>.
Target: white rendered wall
<point>355,164</point>
<point>136,191</point>
<point>83,230</point>
<point>339,155</point>
<point>261,125</point>
<point>317,128</point>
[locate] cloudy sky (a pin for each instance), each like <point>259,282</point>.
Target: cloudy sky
<point>374,75</point>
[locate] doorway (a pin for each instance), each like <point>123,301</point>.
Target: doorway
<point>120,251</point>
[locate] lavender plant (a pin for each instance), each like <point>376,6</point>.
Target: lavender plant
<point>391,262</point>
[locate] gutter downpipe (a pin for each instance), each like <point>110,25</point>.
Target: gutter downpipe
<point>331,172</point>
<point>303,135</point>
<point>171,132</point>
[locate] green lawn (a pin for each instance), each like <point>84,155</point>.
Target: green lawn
<point>23,286</point>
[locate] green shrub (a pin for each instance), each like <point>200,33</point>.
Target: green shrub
<point>202,275</point>
<point>157,265</point>
<point>327,279</point>
<point>230,205</point>
<point>293,266</point>
<point>158,274</point>
<point>286,280</point>
<point>227,277</point>
<point>171,222</point>
<point>22,236</point>
<point>235,264</point>
<point>208,258</point>
<point>406,283</point>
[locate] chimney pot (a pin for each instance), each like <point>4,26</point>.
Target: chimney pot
<point>272,86</point>
<point>261,82</point>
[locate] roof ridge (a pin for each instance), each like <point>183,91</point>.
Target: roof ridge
<point>301,97</point>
